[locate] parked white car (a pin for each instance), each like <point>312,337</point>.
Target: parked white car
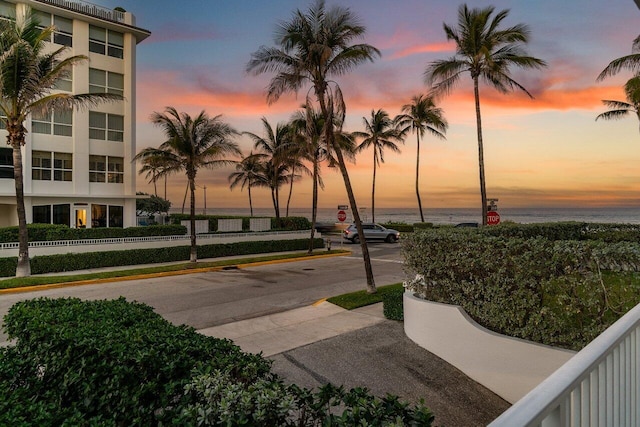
<point>371,232</point>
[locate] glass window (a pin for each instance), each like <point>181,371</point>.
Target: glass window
<point>104,126</point>
<point>63,33</point>
<point>56,123</point>
<point>7,10</point>
<point>62,166</point>
<point>65,83</point>
<point>43,18</point>
<point>41,165</point>
<point>97,168</point>
<point>115,167</point>
<point>6,163</point>
<point>115,44</point>
<point>105,81</point>
<point>106,42</point>
<point>116,215</point>
<point>98,216</point>
<point>42,214</point>
<point>62,214</point>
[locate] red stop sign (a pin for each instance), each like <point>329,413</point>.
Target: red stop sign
<point>342,215</point>
<point>493,218</point>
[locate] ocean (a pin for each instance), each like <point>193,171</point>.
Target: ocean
<point>625,215</point>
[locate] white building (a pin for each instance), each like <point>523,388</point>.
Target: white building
<point>78,167</point>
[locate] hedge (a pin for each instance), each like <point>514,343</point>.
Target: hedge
<point>568,231</point>
<point>548,291</point>
<point>51,232</point>
<point>83,261</point>
<point>292,223</point>
<point>392,305</point>
<point>116,363</point>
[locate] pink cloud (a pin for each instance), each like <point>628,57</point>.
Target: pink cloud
<point>424,48</point>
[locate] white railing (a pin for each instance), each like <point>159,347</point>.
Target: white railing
<point>120,240</point>
<point>599,386</point>
<point>89,9</point>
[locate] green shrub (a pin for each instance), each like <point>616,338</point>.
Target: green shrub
<point>392,305</point>
<point>568,231</point>
<point>422,225</point>
<point>51,232</point>
<point>115,363</point>
<point>291,223</point>
<point>106,362</point>
<point>534,288</point>
<point>401,227</point>
<point>83,261</point>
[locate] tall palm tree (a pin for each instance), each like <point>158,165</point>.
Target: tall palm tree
<point>273,145</point>
<point>622,109</point>
<point>420,116</point>
<point>152,168</point>
<point>28,75</point>
<point>295,153</point>
<point>380,133</point>
<point>486,52</point>
<point>192,144</point>
<point>314,47</point>
<point>247,174</point>
<point>308,125</point>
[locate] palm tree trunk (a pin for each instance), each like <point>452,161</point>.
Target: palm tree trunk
<point>418,176</point>
<point>24,267</point>
<point>193,256</point>
<point>155,186</point>
<point>293,175</point>
<point>165,187</point>
<point>275,206</point>
<point>314,203</point>
<point>250,203</point>
<point>184,201</point>
<point>483,188</point>
<point>373,187</point>
<point>371,284</point>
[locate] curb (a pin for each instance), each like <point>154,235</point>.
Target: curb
<point>34,288</point>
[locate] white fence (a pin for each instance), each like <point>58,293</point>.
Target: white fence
<point>113,244</point>
<point>599,386</point>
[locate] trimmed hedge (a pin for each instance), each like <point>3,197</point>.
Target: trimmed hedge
<point>51,232</point>
<point>392,305</point>
<point>83,261</point>
<point>547,291</point>
<point>292,223</point>
<point>568,231</point>
<point>116,363</point>
<point>399,226</point>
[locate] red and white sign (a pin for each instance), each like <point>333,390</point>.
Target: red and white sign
<point>342,215</point>
<point>493,218</point>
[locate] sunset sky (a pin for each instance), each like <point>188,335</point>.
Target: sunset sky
<point>548,151</point>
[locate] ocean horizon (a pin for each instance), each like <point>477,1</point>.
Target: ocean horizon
<point>623,215</point>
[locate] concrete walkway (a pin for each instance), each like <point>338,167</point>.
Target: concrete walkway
<point>291,329</point>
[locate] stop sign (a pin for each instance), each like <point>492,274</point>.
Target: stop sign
<point>342,215</point>
<point>493,218</point>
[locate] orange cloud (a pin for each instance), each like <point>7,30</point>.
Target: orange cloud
<point>424,48</point>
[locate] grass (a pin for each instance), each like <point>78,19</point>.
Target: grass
<point>362,298</point>
<point>18,282</point>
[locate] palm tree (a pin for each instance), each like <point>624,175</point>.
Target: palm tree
<point>380,132</point>
<point>28,75</point>
<point>308,125</point>
<point>628,62</point>
<point>273,145</point>
<point>622,109</point>
<point>314,47</point>
<point>486,52</point>
<point>421,116</point>
<point>247,174</point>
<point>152,168</point>
<point>192,144</point>
<point>295,152</point>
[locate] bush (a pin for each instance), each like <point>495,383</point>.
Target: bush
<point>534,288</point>
<point>291,223</point>
<point>568,231</point>
<point>422,225</point>
<point>118,363</point>
<point>51,232</point>
<point>105,362</point>
<point>83,261</point>
<point>392,305</point>
<point>401,227</point>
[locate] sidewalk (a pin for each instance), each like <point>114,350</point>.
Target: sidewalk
<point>291,329</point>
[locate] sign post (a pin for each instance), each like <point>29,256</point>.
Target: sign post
<point>493,218</point>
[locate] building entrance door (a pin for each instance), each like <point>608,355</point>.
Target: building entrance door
<point>81,218</point>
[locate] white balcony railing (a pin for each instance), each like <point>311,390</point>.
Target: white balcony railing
<point>89,9</point>
<point>599,386</point>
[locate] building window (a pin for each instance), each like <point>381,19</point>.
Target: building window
<point>6,163</point>
<point>41,166</point>
<point>63,27</point>
<point>65,83</point>
<point>56,123</point>
<point>115,167</point>
<point>42,214</point>
<point>106,42</point>
<point>98,216</point>
<point>116,216</point>
<point>106,169</point>
<point>62,214</point>
<point>7,10</point>
<point>101,81</point>
<point>109,127</point>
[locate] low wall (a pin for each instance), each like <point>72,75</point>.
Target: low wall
<point>510,367</point>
